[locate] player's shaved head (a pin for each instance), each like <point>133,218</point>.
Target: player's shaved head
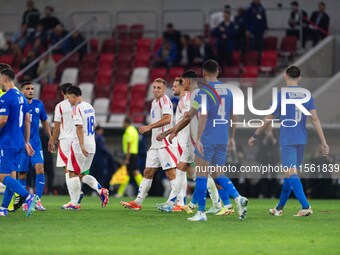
<point>293,72</point>
<point>210,66</point>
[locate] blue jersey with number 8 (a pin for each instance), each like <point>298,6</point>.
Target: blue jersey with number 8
<point>14,105</point>
<point>293,125</point>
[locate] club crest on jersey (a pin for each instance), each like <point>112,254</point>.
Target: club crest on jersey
<point>37,110</point>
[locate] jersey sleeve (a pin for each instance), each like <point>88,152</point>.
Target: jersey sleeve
<point>43,115</point>
<point>4,106</point>
<point>277,110</point>
<point>57,113</point>
<point>311,105</point>
<point>76,115</point>
<point>197,103</point>
<point>165,105</point>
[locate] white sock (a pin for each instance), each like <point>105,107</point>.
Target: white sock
<point>213,193</point>
<point>92,182</point>
<point>181,180</point>
<point>174,192</point>
<point>67,179</point>
<point>143,190</point>
<point>75,189</point>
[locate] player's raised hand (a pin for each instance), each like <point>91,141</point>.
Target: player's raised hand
<point>144,129</point>
<point>160,136</point>
<point>171,137</point>
<point>51,146</point>
<point>251,141</point>
<point>84,151</point>
<point>325,149</point>
<point>29,149</point>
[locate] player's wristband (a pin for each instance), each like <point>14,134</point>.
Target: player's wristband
<point>255,136</point>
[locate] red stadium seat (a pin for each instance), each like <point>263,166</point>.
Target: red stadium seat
<point>268,61</point>
<point>94,45</point>
<point>118,104</point>
<point>123,76</point>
<point>197,70</point>
<point>49,95</point>
<point>86,77</point>
<point>73,61</point>
<point>142,59</point>
<point>270,43</point>
<point>157,44</point>
<point>136,31</point>
<point>175,72</point>
<point>7,58</point>
<point>236,58</point>
<point>120,90</point>
<point>91,57</point>
<point>158,72</point>
<point>122,31</point>
<point>138,119</point>
<point>231,72</point>
<point>249,75</point>
<point>251,58</point>
<point>138,91</point>
<point>57,57</point>
<point>126,46</point>
<point>288,46</point>
<point>143,45</point>
<point>107,57</point>
<point>109,46</point>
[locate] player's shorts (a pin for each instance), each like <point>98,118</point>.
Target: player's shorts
<point>132,166</point>
<point>77,161</point>
<point>10,159</point>
<point>27,162</point>
<point>64,148</point>
<point>166,158</point>
<point>216,154</point>
<point>292,155</point>
<point>185,154</point>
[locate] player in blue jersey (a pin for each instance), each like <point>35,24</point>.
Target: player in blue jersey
<point>212,140</point>
<point>13,115</point>
<point>37,113</point>
<point>293,138</point>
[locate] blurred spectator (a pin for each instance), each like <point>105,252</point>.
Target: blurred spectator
<point>172,35</point>
<point>240,30</point>
<point>298,17</point>
<point>49,21</point>
<point>167,54</point>
<point>268,154</point>
<point>202,51</point>
<point>256,25</point>
<point>225,35</point>
<point>19,41</point>
<point>217,17</point>
<point>320,19</point>
<point>185,52</point>
<point>58,34</point>
<point>39,33</point>
<point>102,163</point>
<point>76,39</point>
<point>320,182</point>
<point>47,69</point>
<point>31,16</point>
<point>32,54</point>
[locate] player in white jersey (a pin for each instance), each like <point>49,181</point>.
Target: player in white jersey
<point>64,132</point>
<point>83,148</point>
<point>161,153</point>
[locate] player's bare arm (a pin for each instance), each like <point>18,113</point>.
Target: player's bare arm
<point>28,146</point>
<point>80,135</point>
<point>183,123</point>
<point>201,126</point>
<point>3,120</point>
<point>231,141</point>
<point>47,128</point>
<point>166,119</point>
<point>317,125</point>
<point>162,136</point>
<point>259,130</point>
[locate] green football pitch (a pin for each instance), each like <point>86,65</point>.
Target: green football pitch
<point>116,230</point>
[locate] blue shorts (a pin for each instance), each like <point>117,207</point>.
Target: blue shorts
<point>9,160</point>
<point>292,155</point>
<point>216,154</point>
<point>27,162</point>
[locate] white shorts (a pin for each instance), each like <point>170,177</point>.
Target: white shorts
<point>64,149</point>
<point>185,154</point>
<point>78,163</point>
<point>166,158</point>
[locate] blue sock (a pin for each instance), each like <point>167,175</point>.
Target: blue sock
<point>224,196</point>
<point>201,192</point>
<point>7,197</point>
<point>23,183</point>
<point>298,190</point>
<point>285,193</point>
<point>194,198</point>
<point>99,186</point>
<point>39,184</point>
<point>15,186</point>
<point>227,185</point>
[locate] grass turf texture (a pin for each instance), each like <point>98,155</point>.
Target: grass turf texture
<point>116,230</point>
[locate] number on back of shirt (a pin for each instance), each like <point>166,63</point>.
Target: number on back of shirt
<point>221,109</point>
<point>298,115</point>
<point>90,125</point>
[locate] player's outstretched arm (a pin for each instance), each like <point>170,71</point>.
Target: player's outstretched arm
<point>317,125</point>
<point>165,120</point>
<point>259,130</point>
